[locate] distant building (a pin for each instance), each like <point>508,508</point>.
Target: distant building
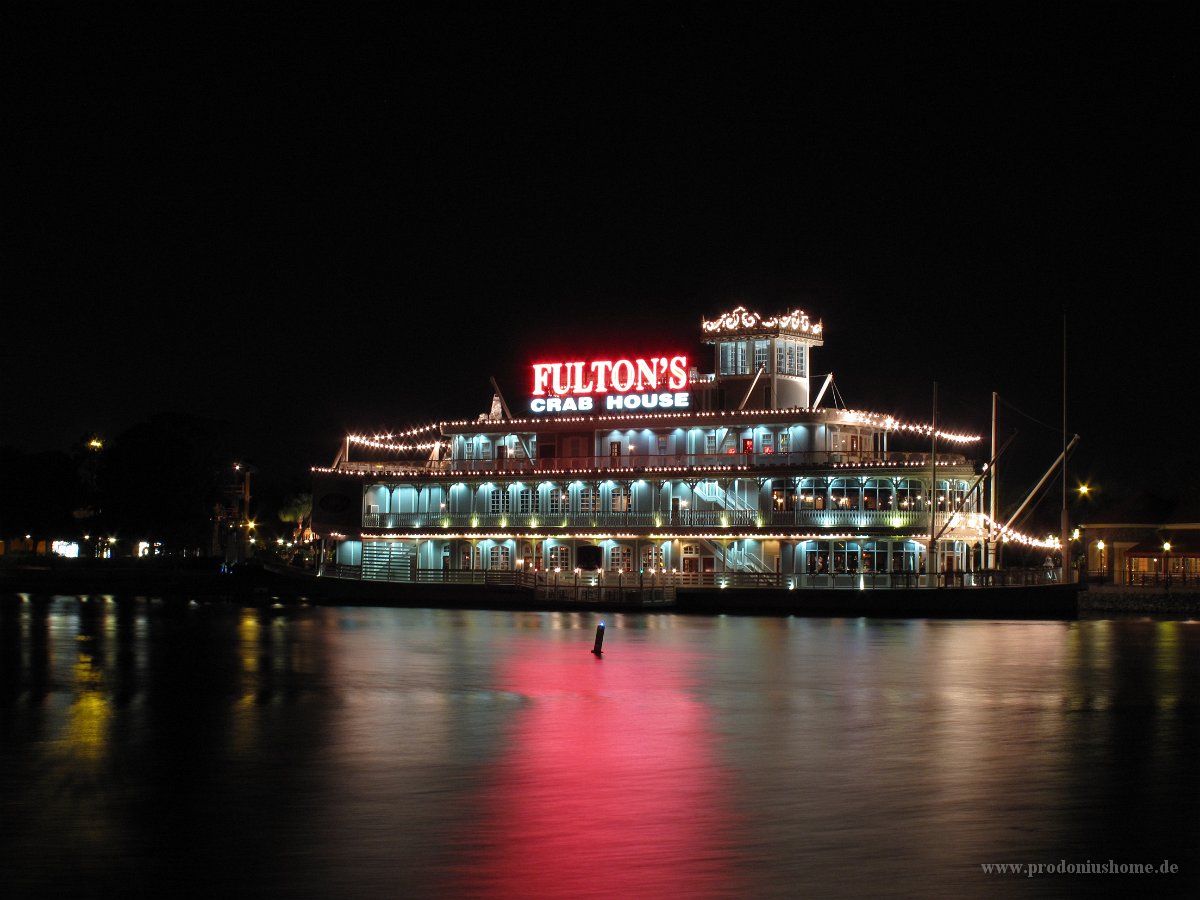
<point>1143,545</point>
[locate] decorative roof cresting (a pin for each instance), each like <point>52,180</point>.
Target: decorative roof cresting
<point>742,319</point>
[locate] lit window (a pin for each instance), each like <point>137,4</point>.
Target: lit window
<point>500,557</point>
<point>760,354</point>
<point>499,502</point>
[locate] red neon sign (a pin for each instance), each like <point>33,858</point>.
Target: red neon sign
<point>602,376</point>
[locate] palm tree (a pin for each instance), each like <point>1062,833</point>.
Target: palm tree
<point>297,511</point>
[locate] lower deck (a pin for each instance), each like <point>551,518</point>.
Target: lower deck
<point>594,584</point>
<point>1010,594</point>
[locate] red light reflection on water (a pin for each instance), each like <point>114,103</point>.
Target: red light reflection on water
<point>608,787</point>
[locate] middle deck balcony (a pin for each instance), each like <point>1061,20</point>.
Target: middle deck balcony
<point>838,519</point>
<point>730,501</point>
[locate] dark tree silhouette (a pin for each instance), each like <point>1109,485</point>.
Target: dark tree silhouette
<point>38,494</point>
<point>160,480</point>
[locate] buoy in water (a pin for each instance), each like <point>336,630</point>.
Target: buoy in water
<point>598,647</point>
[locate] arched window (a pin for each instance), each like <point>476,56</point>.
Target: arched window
<point>620,559</point>
<point>500,557</point>
<point>783,496</point>
<point>555,499</point>
<point>813,493</point>
<point>957,492</point>
<point>943,495</point>
<point>910,495</point>
<point>878,494</point>
<point>844,493</point>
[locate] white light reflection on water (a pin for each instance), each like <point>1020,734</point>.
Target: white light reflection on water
<point>384,753</point>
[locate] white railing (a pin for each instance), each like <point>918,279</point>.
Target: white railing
<point>660,585</point>
<point>683,518</point>
<point>656,462</point>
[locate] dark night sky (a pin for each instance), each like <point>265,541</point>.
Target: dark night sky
<point>307,223</point>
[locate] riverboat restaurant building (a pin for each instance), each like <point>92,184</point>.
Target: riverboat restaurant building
<point>633,467</point>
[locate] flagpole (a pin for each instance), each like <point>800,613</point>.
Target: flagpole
<point>1065,535</point>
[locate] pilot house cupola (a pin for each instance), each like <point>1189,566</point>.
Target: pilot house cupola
<point>762,363</point>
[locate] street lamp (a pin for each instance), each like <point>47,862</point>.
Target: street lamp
<point>1167,561</point>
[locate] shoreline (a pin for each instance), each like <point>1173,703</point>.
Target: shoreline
<point>1134,601</point>
<point>273,587</point>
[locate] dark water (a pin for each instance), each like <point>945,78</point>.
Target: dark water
<point>225,752</point>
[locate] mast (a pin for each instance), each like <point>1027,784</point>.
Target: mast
<point>750,390</point>
<point>992,546</point>
<point>821,393</point>
<point>500,397</point>
<point>1065,538</point>
<point>931,552</point>
<point>1049,473</point>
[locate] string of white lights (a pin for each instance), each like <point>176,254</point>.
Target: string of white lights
<point>998,532</point>
<point>742,319</point>
<point>411,432</point>
<point>874,419</point>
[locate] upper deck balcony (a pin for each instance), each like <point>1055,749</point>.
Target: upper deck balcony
<point>736,464</point>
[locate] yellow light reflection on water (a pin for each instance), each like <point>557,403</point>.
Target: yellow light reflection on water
<point>249,630</point>
<point>87,726</point>
<point>86,731</point>
<point>245,718</point>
